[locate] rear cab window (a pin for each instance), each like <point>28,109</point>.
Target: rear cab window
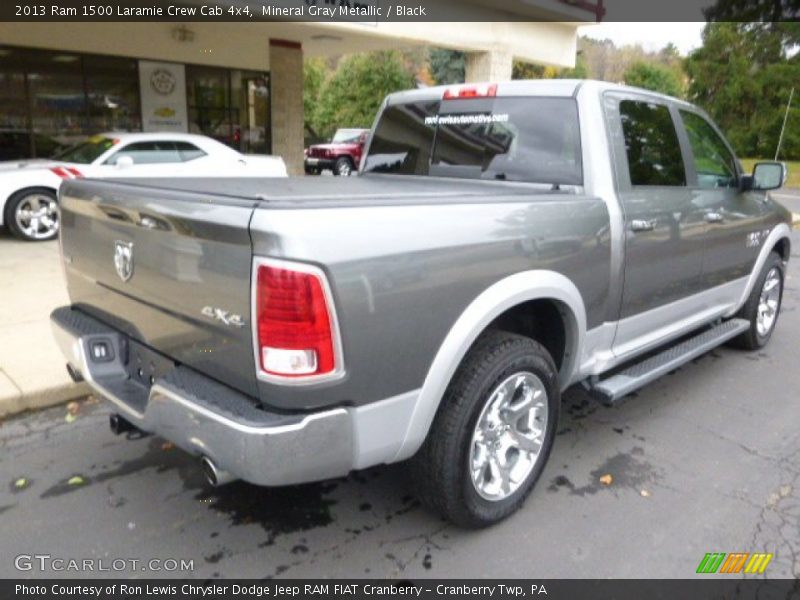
<point>527,139</point>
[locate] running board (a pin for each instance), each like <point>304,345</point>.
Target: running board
<point>608,391</point>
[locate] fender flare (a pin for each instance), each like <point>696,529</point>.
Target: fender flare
<point>778,233</point>
<point>491,303</point>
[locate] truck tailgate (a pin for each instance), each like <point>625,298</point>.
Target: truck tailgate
<point>171,269</point>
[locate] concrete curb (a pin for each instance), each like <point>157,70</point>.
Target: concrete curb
<point>13,401</point>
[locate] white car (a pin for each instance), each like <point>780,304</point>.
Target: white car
<point>29,188</point>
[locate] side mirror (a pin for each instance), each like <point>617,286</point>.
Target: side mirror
<point>124,162</point>
<point>768,176</point>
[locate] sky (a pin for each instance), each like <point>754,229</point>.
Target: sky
<point>651,36</point>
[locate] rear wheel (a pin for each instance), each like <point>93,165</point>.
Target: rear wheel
<point>32,214</point>
<point>343,167</point>
<point>493,433</point>
<point>763,306</point>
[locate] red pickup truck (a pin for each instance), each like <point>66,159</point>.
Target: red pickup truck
<point>341,156</point>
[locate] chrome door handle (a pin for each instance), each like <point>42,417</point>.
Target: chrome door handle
<point>714,217</point>
<point>643,224</point>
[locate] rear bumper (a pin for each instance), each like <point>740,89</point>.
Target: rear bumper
<point>204,417</point>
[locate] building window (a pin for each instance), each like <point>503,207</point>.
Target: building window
<point>52,99</point>
<point>231,106</point>
<point>112,92</point>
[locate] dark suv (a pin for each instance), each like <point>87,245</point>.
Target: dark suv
<point>341,156</point>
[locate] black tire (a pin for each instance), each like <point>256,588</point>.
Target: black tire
<point>441,468</point>
<point>312,171</point>
<point>752,339</point>
<point>11,210</point>
<point>343,167</point>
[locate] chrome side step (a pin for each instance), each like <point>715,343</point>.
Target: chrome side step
<point>610,390</point>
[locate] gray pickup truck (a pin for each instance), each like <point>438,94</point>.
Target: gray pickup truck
<point>500,243</point>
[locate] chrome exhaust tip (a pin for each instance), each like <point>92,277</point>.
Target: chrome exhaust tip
<point>120,425</point>
<point>214,475</point>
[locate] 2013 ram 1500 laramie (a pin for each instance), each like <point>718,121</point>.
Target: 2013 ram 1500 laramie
<point>500,243</point>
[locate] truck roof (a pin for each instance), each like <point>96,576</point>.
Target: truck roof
<point>528,87</point>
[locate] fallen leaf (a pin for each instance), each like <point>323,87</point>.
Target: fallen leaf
<point>76,480</point>
<point>70,418</point>
<point>645,494</point>
<point>607,479</point>
<point>167,446</point>
<point>73,408</point>
<point>21,483</point>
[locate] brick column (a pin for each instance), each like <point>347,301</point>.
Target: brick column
<point>286,77</point>
<point>495,65</point>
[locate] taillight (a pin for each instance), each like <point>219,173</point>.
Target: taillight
<point>488,90</point>
<point>295,324</point>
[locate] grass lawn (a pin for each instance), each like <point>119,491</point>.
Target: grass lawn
<point>793,166</point>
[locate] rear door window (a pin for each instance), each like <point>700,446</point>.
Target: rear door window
<point>651,144</point>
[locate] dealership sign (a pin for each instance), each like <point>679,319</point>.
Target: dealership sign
<point>163,89</point>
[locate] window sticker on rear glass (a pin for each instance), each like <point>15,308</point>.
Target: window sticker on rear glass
<point>466,119</point>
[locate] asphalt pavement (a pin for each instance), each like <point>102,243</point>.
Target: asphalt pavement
<point>704,460</point>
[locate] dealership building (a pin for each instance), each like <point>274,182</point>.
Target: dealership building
<point>239,82</point>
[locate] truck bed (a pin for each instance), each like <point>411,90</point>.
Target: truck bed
<point>390,245</point>
<point>326,192</point>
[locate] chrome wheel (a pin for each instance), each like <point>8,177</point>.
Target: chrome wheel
<point>769,302</point>
<point>508,436</point>
<point>344,168</point>
<point>36,216</point>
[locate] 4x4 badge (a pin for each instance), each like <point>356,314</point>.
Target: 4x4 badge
<point>123,259</point>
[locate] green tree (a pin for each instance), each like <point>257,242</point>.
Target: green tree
<point>742,76</point>
<point>351,96</point>
<point>314,73</point>
<point>653,76</point>
<point>579,71</point>
<point>447,66</point>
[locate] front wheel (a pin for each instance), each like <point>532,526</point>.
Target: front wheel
<point>493,433</point>
<point>32,214</point>
<point>343,167</point>
<point>763,306</point>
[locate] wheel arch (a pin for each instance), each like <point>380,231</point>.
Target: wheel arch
<point>777,240</point>
<point>783,247</point>
<point>7,196</point>
<point>501,303</point>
